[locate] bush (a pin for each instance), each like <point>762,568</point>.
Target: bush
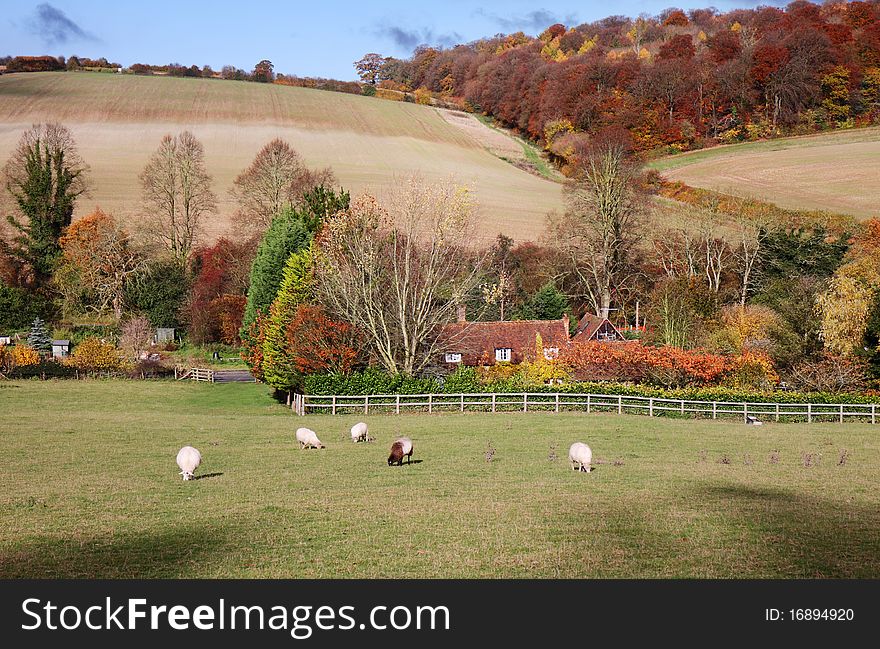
<point>17,356</point>
<point>95,356</point>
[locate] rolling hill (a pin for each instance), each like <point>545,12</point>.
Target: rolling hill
<point>835,172</point>
<point>118,121</point>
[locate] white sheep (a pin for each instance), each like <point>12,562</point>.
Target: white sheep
<point>359,432</point>
<point>307,438</point>
<point>580,456</point>
<point>188,459</point>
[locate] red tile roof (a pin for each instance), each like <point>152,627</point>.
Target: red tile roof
<point>477,341</point>
<point>590,324</point>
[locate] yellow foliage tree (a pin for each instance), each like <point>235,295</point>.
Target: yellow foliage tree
<point>543,366</point>
<point>95,355</point>
<point>17,356</point>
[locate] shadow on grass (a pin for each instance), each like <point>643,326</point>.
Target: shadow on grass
<point>176,553</point>
<point>800,535</point>
<point>205,476</point>
<point>406,463</point>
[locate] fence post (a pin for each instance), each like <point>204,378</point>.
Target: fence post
<point>430,403</point>
<point>462,402</point>
<point>525,401</point>
<point>651,407</point>
<point>841,413</point>
<point>588,404</point>
<point>493,401</point>
<point>557,402</point>
<point>809,413</point>
<point>366,403</point>
<point>682,406</point>
<point>745,413</point>
<point>619,404</point>
<point>777,412</point>
<point>714,410</point>
<point>873,413</point>
<point>397,405</point>
<point>334,404</point>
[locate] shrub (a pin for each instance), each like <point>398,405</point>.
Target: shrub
<point>96,356</point>
<point>16,356</point>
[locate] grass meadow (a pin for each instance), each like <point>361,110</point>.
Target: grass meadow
<point>89,488</point>
<point>371,144</point>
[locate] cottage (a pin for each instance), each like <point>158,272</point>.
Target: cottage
<point>593,327</point>
<point>60,348</point>
<point>487,343</point>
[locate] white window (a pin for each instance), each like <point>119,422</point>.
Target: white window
<point>453,358</point>
<point>502,354</point>
<point>551,353</point>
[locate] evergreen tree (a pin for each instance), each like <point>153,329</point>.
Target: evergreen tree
<point>547,304</point>
<point>319,203</point>
<point>285,235</point>
<point>45,176</point>
<point>39,337</point>
<point>295,289</point>
<point>159,293</point>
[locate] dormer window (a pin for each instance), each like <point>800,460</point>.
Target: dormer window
<point>453,358</point>
<point>503,354</point>
<point>551,353</point>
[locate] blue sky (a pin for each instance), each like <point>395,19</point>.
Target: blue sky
<point>313,38</point>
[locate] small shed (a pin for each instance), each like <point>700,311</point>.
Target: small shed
<point>165,335</point>
<point>5,340</point>
<point>60,348</point>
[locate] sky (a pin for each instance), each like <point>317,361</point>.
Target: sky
<point>312,38</point>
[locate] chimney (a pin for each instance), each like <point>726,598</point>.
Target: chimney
<point>605,311</point>
<point>566,322</point>
<point>461,313</point>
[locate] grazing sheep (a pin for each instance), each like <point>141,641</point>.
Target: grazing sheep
<point>307,438</point>
<point>580,456</point>
<point>359,432</point>
<point>401,448</point>
<point>188,459</point>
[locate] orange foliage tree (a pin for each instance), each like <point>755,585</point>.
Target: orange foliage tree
<point>317,343</point>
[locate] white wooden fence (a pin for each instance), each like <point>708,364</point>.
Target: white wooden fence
<point>302,404</point>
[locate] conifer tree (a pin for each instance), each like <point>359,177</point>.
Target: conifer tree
<point>39,337</point>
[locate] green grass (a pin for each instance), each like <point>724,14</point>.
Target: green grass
<point>89,488</point>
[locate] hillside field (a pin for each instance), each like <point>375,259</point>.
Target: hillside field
<point>835,172</point>
<point>95,492</point>
<point>118,121</point>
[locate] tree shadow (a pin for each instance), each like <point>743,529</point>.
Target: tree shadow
<point>802,535</point>
<point>181,552</point>
<point>205,476</point>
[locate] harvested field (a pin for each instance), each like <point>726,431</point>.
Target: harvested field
<point>118,121</point>
<point>836,172</point>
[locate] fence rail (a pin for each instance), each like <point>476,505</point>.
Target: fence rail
<point>303,404</point>
<point>201,374</point>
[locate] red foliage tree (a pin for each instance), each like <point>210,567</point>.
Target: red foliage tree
<point>317,343</point>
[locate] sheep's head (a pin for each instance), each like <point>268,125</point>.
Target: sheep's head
<point>187,475</point>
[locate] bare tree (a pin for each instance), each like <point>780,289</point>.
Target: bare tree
<point>276,179</point>
<point>136,336</point>
<point>600,229</point>
<point>177,193</point>
<point>398,274</point>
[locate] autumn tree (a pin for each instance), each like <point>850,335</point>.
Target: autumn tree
<point>45,176</point>
<point>177,194</point>
<point>369,66</point>
<point>264,72</point>
<point>398,271</point>
<point>136,335</point>
<point>276,179</point>
<point>99,258</point>
<point>601,226</point>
